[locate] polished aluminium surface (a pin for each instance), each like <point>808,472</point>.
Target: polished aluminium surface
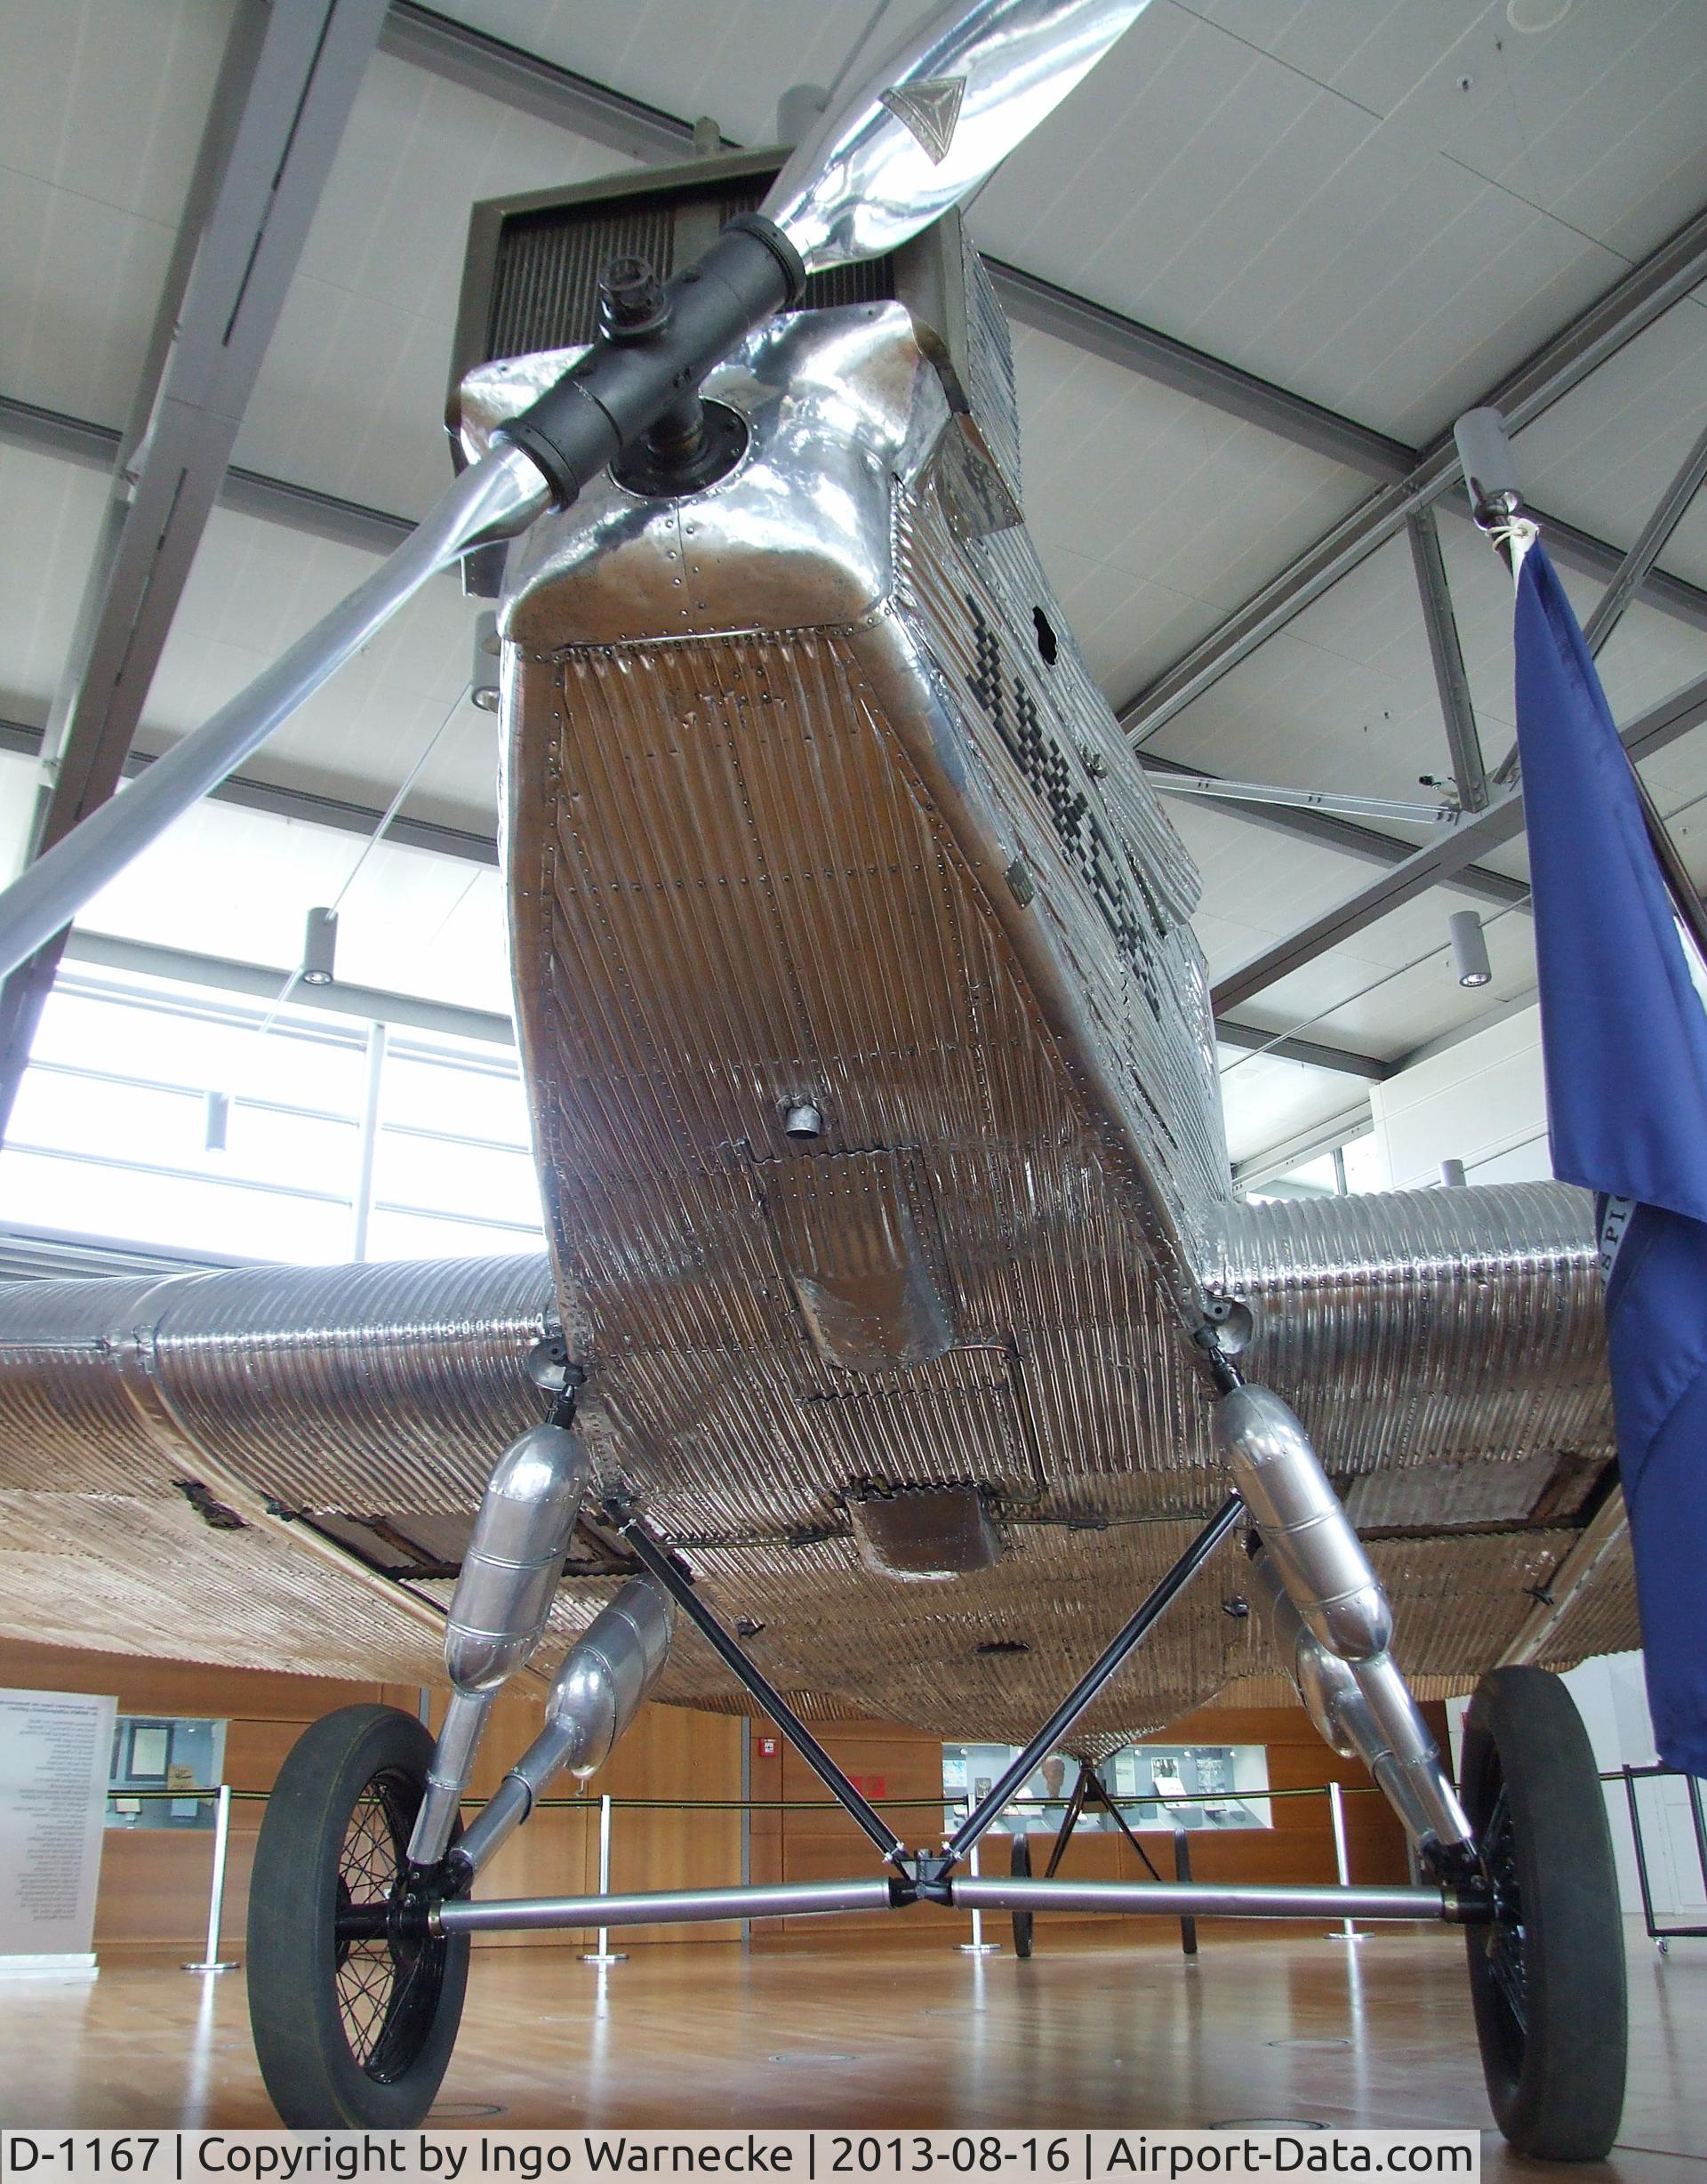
<point>1206,1900</point>
<point>1322,1570</point>
<point>934,118</point>
<point>489,501</point>
<point>802,809</point>
<point>1325,1686</point>
<point>603,1679</point>
<point>1321,1561</point>
<point>607,1674</point>
<point>514,1555</point>
<point>509,1575</point>
<point>466,1714</point>
<point>665,1906</point>
<point>1159,1899</point>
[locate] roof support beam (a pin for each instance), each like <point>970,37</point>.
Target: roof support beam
<point>248,492</point>
<point>1348,836</point>
<point>1441,862</point>
<point>341,815</point>
<point>1632,572</point>
<point>1458,715</point>
<point>284,92</point>
<point>1252,1039</point>
<point>1644,292</point>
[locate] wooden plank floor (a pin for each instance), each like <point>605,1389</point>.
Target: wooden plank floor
<point>1095,2029</point>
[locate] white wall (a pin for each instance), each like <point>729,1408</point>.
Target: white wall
<point>1481,1101</point>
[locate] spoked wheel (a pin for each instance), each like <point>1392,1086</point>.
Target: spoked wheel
<point>1547,1976</point>
<point>351,2032</point>
<point>1020,1867</point>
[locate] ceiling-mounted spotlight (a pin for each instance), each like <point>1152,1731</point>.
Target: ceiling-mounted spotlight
<point>1452,1175</point>
<point>319,947</point>
<point>482,679</point>
<point>1470,961</point>
<point>216,1119</point>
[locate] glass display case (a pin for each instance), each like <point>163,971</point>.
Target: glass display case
<point>1159,1787</point>
<point>159,1763</point>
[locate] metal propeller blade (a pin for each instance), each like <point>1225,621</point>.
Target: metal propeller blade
<point>495,499</point>
<point>934,119</point>
<point>923,129</point>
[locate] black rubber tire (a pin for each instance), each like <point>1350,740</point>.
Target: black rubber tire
<point>335,2049</point>
<point>1019,1864</point>
<point>1547,1980</point>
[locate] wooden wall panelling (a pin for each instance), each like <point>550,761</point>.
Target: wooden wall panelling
<point>154,1885</point>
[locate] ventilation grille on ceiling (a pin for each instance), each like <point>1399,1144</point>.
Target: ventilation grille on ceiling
<point>545,281</point>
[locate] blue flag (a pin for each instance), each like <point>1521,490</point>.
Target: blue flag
<point>1624,1039</point>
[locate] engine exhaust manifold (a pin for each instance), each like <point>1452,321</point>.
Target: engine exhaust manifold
<point>499,1610</point>
<point>604,1681</point>
<point>1332,1620</point>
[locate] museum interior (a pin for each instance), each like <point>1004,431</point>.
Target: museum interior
<point>851,1267</point>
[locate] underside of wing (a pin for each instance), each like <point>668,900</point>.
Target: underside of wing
<point>279,1468</point>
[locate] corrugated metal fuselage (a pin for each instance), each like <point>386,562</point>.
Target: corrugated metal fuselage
<point>811,803</point>
<point>811,800</point>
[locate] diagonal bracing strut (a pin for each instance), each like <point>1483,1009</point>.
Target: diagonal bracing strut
<point>1091,1682</point>
<point>660,1565</point>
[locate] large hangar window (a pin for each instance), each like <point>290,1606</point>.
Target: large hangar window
<point>158,1114</point>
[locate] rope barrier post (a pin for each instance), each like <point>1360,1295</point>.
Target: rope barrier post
<point>1182,1873</point>
<point>603,1953</point>
<point>1337,1812</point>
<point>212,1961</point>
<point>978,1946</point>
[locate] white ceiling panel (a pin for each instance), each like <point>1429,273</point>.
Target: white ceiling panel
<point>240,884</point>
<point>51,519</point>
<point>1155,515</point>
<point>254,590</point>
<point>732,62</point>
<point>1347,999</point>
<point>351,398</point>
<point>101,110</point>
<point>1326,224</point>
<point>1266,1100</point>
<point>1604,456</point>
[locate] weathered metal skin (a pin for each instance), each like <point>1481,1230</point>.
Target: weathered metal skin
<point>811,802</point>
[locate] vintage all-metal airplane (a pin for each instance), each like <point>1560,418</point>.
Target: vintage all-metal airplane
<point>900,1330</point>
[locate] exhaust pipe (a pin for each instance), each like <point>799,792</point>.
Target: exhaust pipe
<point>500,1608</point>
<point>1332,1618</point>
<point>1333,1699</point>
<point>605,1678</point>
